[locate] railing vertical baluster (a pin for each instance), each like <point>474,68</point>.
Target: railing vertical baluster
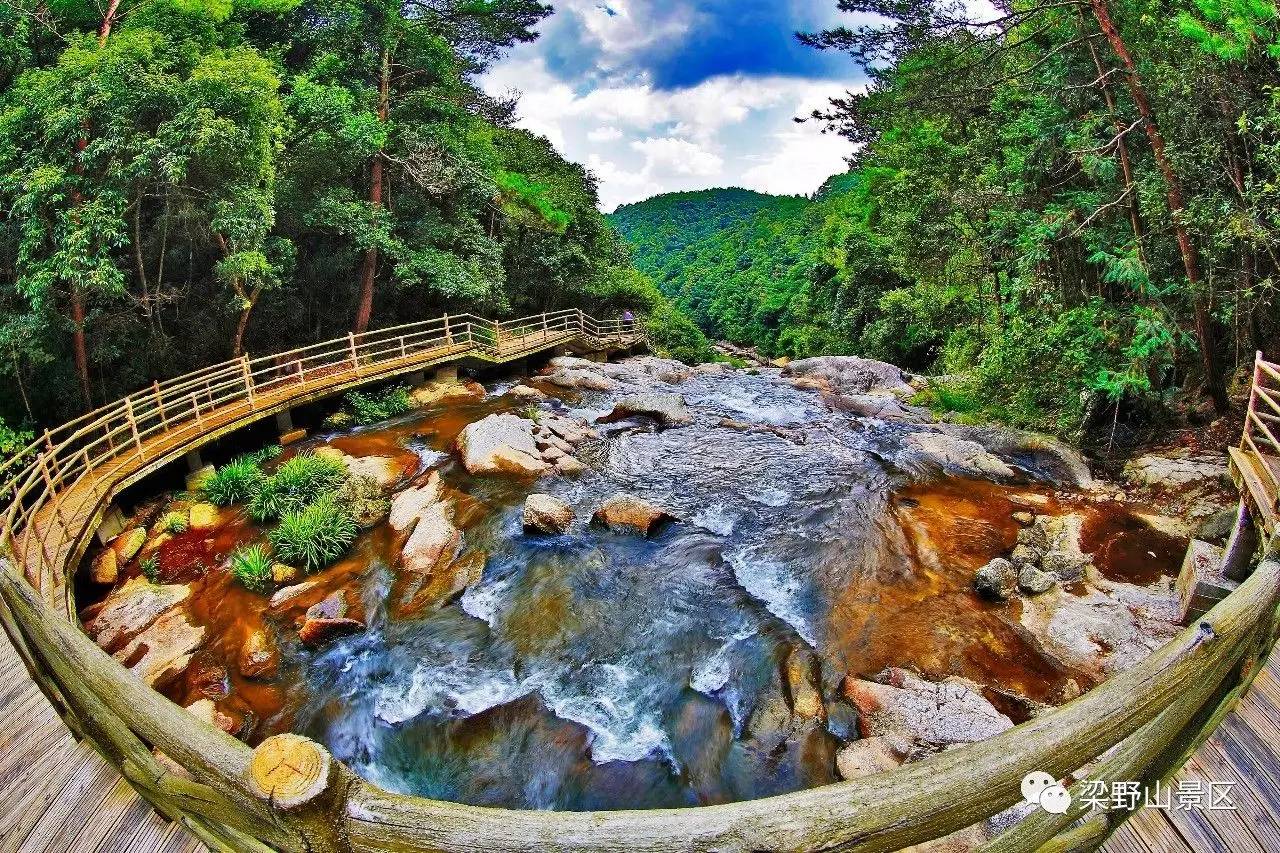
<point>159,401</point>
<point>497,337</point>
<point>53,491</point>
<point>448,335</point>
<point>195,408</point>
<point>248,379</point>
<point>133,425</point>
<point>351,345</point>
<point>403,353</point>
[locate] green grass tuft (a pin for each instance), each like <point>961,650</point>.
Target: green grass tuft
<point>315,536</point>
<point>379,406</point>
<point>252,568</point>
<point>236,482</point>
<point>295,484</point>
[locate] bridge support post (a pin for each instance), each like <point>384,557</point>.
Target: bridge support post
<point>418,377</point>
<point>1243,541</point>
<point>446,373</point>
<point>113,524</point>
<point>194,461</point>
<point>284,421</point>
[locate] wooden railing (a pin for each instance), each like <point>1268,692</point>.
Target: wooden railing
<point>1146,720</point>
<point>1258,460</point>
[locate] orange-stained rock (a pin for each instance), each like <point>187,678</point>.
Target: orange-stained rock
<point>316,632</point>
<point>630,513</point>
<point>259,658</point>
<point>106,568</point>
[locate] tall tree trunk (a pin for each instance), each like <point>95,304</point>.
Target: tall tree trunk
<point>369,267</point>
<point>237,343</point>
<point>1214,383</point>
<point>1122,149</point>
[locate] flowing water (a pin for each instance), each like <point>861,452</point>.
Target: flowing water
<point>599,670</point>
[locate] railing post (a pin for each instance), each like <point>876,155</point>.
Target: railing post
<point>195,408</point>
<point>497,337</point>
<point>351,345</point>
<point>133,425</point>
<point>155,394</point>
<point>248,378</point>
<point>53,491</point>
<point>448,335</point>
<point>546,333</point>
<point>403,353</point>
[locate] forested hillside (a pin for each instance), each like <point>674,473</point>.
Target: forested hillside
<point>185,180</point>
<point>1063,202</point>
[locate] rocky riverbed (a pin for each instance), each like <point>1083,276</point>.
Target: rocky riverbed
<point>644,584</point>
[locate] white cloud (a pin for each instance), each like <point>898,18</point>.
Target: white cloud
<point>604,134</point>
<point>730,130</point>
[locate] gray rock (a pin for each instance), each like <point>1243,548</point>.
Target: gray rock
<point>852,375</point>
<point>669,410</point>
<point>1033,581</point>
<point>935,714</point>
<point>1026,555</point>
<point>546,514</point>
<point>501,444</point>
<point>996,580</point>
<point>956,456</point>
<point>1064,566</point>
<point>1153,470</point>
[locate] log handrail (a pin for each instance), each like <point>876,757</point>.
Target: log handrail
<point>1259,437</point>
<point>1150,714</point>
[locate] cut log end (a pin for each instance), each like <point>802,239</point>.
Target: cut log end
<point>289,770</point>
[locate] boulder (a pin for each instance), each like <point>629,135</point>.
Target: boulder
<point>546,514</point>
<point>386,471</point>
<point>957,456</point>
<point>434,541</point>
<point>442,391</point>
<point>803,690</point>
<point>128,544</point>
<point>1026,555</point>
<point>1065,566</point>
<point>570,466</point>
<point>288,594</point>
<point>364,497</point>
<point>851,375</point>
<point>292,437</point>
<point>163,650</point>
<point>632,514</point>
<point>1034,582</point>
<point>130,609</point>
<point>869,756</point>
<point>410,504</point>
<point>197,479</point>
<point>204,516</point>
<point>669,410</point>
<point>1155,470</point>
<point>572,431</point>
<point>331,453</point>
<point>332,606</point>
<point>501,444</point>
<point>901,704</point>
<point>259,657</point>
<point>578,374</point>
<point>317,632</point>
<point>526,393</point>
<point>997,580</point>
<point>106,567</point>
<point>282,575</point>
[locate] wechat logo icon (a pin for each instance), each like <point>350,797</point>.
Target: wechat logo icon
<point>1042,789</point>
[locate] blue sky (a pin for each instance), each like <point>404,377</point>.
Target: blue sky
<point>662,96</point>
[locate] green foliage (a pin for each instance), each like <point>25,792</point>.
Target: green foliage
<point>174,523</point>
<point>297,482</point>
<point>1228,29</point>
<point>364,499</point>
<point>236,482</point>
<point>13,441</point>
<point>150,568</point>
<point>379,406</point>
<point>252,566</point>
<point>315,536</point>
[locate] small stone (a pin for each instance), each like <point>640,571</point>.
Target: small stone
<point>316,632</point>
<point>334,606</point>
<point>292,437</point>
<point>630,513</point>
<point>105,567</point>
<point>527,393</point>
<point>289,593</point>
<point>996,580</point>
<point>259,658</point>
<point>128,544</point>
<point>1033,581</point>
<point>570,466</point>
<point>546,514</point>
<point>333,454</point>
<point>284,575</point>
<point>204,516</point>
<point>1065,567</point>
<point>1026,555</point>
<point>552,453</point>
<point>1026,519</point>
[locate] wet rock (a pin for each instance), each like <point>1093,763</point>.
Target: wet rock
<point>1026,555</point>
<point>383,470</point>
<point>105,567</point>
<point>331,453</point>
<point>501,444</point>
<point>289,594</point>
<point>1045,457</point>
<point>364,497</point>
<point>546,514</point>
<point>333,606</point>
<point>128,544</point>
<point>443,391</point>
<point>1065,566</point>
<point>410,504</point>
<point>1024,518</point>
<point>434,541</point>
<point>553,453</point>
<point>957,456</point>
<point>802,686</point>
<point>629,513</point>
<point>882,406</point>
<point>669,410</point>
<point>163,650</point>
<point>578,373</point>
<point>852,375</point>
<point>570,466</point>
<point>1155,470</point>
<point>526,393</point>
<point>210,679</point>
<point>868,756</point>
<point>283,575</point>
<point>317,632</point>
<point>996,580</point>
<point>204,516</point>
<point>1033,581</point>
<point>902,704</point>
<point>292,437</point>
<point>1217,527</point>
<point>130,609</point>
<point>259,657</point>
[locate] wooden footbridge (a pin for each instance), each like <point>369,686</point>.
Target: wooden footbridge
<point>92,759</point>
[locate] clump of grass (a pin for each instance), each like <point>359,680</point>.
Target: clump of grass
<point>316,535</point>
<point>236,482</point>
<point>295,484</point>
<point>379,406</point>
<point>533,413</point>
<point>173,523</point>
<point>251,566</point>
<point>150,568</point>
